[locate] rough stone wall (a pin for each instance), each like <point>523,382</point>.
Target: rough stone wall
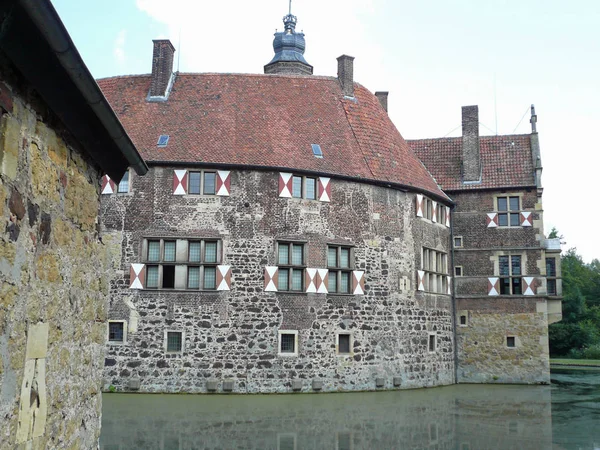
<point>234,335</point>
<point>482,351</point>
<point>53,280</point>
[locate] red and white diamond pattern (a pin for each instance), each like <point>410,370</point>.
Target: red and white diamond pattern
<point>223,278</point>
<point>492,220</point>
<point>271,273</point>
<point>108,185</point>
<point>324,189</point>
<point>285,184</point>
<point>358,282</point>
<point>419,205</point>
<point>528,287</point>
<point>526,219</point>
<point>137,274</point>
<point>223,182</point>
<point>493,286</point>
<point>448,216</point>
<point>420,280</point>
<point>180,182</point>
<point>316,281</point>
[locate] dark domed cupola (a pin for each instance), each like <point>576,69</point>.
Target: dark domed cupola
<point>289,50</point>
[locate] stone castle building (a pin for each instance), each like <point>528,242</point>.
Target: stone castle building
<point>58,135</point>
<point>287,238</point>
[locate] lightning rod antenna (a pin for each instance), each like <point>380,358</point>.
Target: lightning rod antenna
<point>179,55</point>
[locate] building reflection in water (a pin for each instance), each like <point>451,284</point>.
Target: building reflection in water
<point>465,417</point>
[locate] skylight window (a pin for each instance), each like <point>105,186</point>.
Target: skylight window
<point>316,148</point>
<point>163,140</point>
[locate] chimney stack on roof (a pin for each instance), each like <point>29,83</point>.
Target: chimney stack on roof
<point>162,67</point>
<point>533,120</point>
<point>471,159</point>
<point>382,96</point>
<point>346,74</point>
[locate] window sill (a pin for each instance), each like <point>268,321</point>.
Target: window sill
<point>191,291</point>
<point>200,195</point>
<point>288,355</point>
<point>120,343</point>
<point>292,292</point>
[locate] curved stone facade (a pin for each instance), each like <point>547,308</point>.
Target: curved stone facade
<point>231,338</point>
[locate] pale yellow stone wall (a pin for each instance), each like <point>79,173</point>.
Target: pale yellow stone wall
<point>485,357</point>
<point>53,286</point>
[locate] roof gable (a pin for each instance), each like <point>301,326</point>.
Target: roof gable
<point>506,161</point>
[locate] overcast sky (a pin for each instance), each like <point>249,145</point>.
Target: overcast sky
<point>433,56</point>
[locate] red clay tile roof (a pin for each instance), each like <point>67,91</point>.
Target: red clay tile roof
<point>506,161</point>
<point>268,121</point>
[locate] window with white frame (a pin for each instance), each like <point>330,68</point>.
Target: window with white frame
<point>510,274</point>
<point>288,343</point>
<point>458,271</point>
<point>123,186</point>
<point>291,265</point>
<point>117,331</point>
<point>339,265</point>
<point>435,266</point>
<point>182,263</point>
<point>458,241</point>
<point>173,341</point>
<point>304,187</point>
<point>202,182</point>
<point>509,209</point>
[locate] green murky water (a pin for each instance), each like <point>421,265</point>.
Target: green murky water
<point>565,415</point>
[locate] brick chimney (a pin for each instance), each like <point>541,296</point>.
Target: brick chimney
<point>382,97</point>
<point>346,74</point>
<point>471,159</point>
<point>162,67</point>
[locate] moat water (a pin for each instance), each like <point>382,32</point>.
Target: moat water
<point>565,415</point>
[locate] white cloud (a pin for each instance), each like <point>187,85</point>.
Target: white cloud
<point>237,36</point>
<point>119,49</point>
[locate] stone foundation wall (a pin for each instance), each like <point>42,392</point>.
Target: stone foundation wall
<point>233,335</point>
<point>484,356</point>
<point>53,280</point>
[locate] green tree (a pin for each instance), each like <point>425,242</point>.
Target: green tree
<point>580,326</point>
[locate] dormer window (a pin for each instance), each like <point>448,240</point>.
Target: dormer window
<point>163,140</point>
<point>316,149</point>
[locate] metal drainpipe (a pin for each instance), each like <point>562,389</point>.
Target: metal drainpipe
<point>453,293</point>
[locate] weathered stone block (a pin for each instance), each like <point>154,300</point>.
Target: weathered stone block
<point>296,385</point>
<point>10,137</point>
<point>212,385</point>
<point>16,205</point>
<point>37,341</point>
<point>397,381</point>
<point>134,384</point>
<point>317,385</point>
<point>228,386</point>
<point>379,382</point>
